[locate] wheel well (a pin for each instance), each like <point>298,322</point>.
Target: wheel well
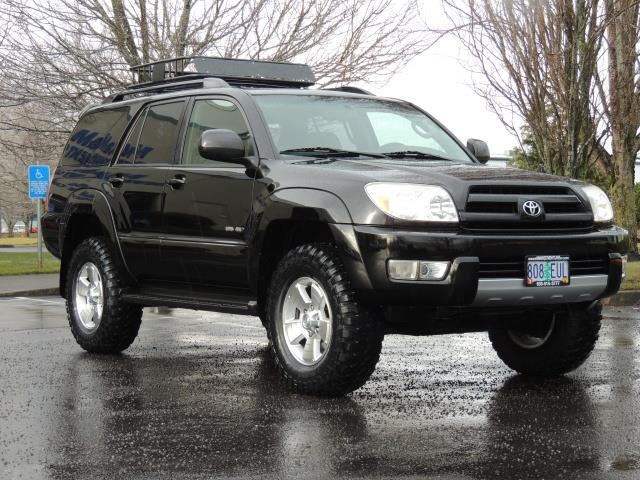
<point>79,227</point>
<point>282,236</point>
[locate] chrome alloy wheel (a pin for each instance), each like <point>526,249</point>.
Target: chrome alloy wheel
<point>306,321</point>
<point>530,340</point>
<point>89,297</point>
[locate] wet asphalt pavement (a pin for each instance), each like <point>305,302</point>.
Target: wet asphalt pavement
<point>196,397</point>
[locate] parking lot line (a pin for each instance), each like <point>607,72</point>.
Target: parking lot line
<point>34,299</point>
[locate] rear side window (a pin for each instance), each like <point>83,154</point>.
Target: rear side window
<point>94,140</point>
<point>159,135</point>
<point>128,151</point>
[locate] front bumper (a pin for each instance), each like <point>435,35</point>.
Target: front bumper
<point>366,250</point>
<point>512,291</point>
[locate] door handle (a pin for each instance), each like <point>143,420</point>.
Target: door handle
<point>116,180</point>
<point>177,182</point>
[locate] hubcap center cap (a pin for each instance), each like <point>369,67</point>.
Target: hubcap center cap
<point>311,320</point>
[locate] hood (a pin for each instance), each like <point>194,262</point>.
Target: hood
<point>346,178</point>
<point>419,171</point>
<point>454,177</point>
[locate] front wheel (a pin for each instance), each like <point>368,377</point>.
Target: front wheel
<point>554,345</point>
<point>322,340</point>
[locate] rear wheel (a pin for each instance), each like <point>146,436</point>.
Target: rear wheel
<point>100,320</point>
<point>322,340</point>
<point>552,346</point>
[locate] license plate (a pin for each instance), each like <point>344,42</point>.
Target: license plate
<point>547,271</point>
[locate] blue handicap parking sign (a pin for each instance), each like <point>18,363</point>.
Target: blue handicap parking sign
<point>38,181</point>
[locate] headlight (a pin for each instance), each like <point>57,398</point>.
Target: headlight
<point>408,201</point>
<point>600,204</point>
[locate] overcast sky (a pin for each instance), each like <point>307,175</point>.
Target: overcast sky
<point>438,82</point>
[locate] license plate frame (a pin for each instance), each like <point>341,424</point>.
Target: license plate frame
<point>550,264</point>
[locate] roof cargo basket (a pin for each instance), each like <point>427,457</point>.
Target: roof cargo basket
<point>238,73</point>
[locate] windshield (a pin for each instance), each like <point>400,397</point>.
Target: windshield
<point>322,124</point>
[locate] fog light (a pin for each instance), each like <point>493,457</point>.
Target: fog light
<point>403,269</point>
<point>417,270</point>
<point>433,270</point>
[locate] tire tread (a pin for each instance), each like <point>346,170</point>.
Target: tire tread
<point>121,320</point>
<point>357,334</point>
<point>573,344</point>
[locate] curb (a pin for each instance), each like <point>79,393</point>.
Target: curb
<point>624,298</point>
<point>42,292</point>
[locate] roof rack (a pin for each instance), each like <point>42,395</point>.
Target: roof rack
<point>349,89</point>
<point>185,82</point>
<point>240,73</point>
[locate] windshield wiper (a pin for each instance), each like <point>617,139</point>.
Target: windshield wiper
<point>332,152</point>
<point>415,154</point>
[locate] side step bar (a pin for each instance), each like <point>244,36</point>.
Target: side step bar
<point>239,305</point>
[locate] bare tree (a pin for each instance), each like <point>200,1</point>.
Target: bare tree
<point>622,103</point>
<point>569,69</point>
<point>15,208</point>
<point>20,148</point>
<point>67,52</point>
<point>537,60</point>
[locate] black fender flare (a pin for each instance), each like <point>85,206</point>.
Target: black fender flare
<point>304,205</point>
<point>94,203</point>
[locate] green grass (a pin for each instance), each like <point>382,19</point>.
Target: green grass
<point>632,280</point>
<point>19,241</point>
<point>24,263</point>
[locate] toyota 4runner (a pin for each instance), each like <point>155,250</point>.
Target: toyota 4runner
<point>333,215</point>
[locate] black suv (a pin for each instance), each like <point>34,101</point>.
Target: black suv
<point>333,215</point>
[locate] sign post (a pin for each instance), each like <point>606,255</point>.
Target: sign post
<point>38,186</point>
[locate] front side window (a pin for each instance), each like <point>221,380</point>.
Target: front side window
<point>212,114</point>
<point>365,125</point>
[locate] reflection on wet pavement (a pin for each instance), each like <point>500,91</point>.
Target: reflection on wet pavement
<point>196,397</point>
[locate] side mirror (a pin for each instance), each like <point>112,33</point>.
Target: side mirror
<point>479,149</point>
<point>222,145</point>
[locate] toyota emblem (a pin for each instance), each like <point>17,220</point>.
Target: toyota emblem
<point>531,208</point>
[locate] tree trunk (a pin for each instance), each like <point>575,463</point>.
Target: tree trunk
<point>622,33</point>
<point>623,194</point>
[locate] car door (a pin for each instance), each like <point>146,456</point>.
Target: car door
<point>208,203</point>
<point>137,181</point>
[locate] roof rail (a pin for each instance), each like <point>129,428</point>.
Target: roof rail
<point>349,89</point>
<point>186,82</point>
<point>236,72</point>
